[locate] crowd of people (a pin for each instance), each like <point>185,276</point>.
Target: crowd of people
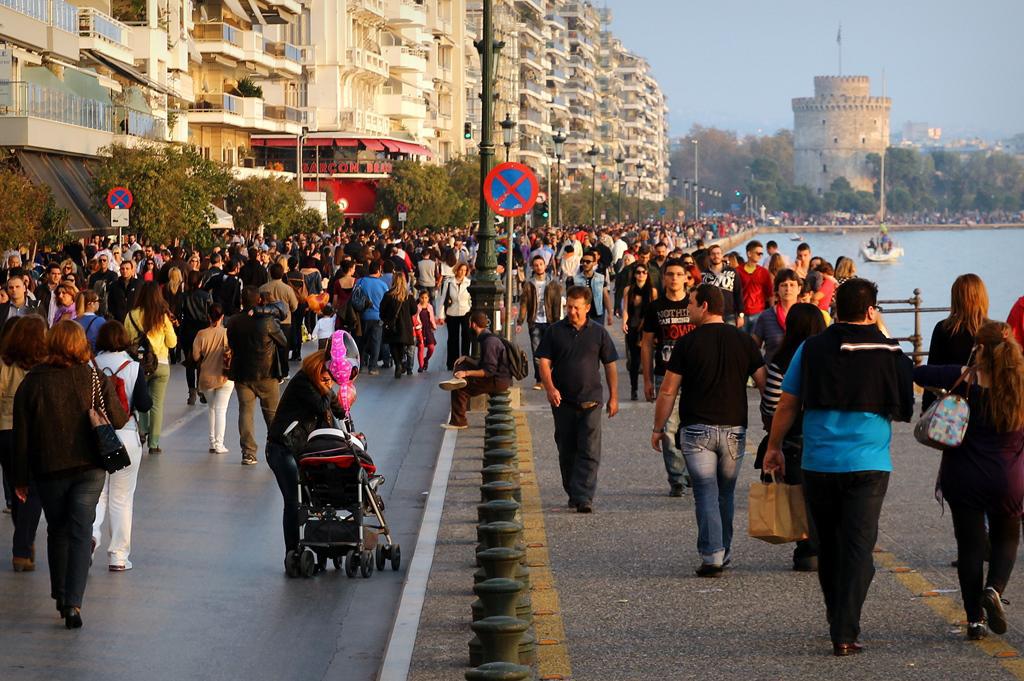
<point>702,325</point>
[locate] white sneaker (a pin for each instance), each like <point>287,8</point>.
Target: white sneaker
<point>120,567</point>
<point>453,384</point>
<point>450,426</point>
<point>218,449</point>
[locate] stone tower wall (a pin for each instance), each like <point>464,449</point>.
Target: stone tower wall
<point>834,131</point>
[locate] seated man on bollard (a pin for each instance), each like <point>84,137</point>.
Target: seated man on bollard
<point>490,376</point>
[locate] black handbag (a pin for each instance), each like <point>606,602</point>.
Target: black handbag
<point>112,452</point>
<point>143,351</point>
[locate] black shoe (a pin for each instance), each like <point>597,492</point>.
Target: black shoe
<point>60,603</point>
<point>805,564</point>
<point>995,615</point>
<point>709,570</point>
<point>976,631</point>
<point>408,371</point>
<point>676,490</point>
<point>202,397</point>
<point>584,507</point>
<point>73,618</point>
<point>632,395</point>
<point>191,398</point>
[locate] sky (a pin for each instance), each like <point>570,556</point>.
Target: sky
<point>736,64</point>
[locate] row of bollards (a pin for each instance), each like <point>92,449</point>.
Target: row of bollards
<point>503,647</point>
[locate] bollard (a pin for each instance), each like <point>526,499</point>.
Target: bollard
<point>499,671</point>
<point>501,442</point>
<point>500,562</point>
<point>499,638</point>
<point>499,472</point>
<point>499,429</point>
<point>500,490</point>
<point>499,598</point>
<point>499,419</point>
<point>507,535</point>
<point>499,509</point>
<point>496,456</point>
<point>502,565</point>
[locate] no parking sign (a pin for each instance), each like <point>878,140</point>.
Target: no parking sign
<point>510,189</point>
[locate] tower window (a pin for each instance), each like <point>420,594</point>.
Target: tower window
<point>835,140</point>
<point>824,168</point>
<point>823,121</point>
<point>863,140</point>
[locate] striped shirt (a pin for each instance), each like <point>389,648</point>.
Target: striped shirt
<point>772,391</point>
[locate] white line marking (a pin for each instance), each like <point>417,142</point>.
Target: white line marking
<point>398,655</point>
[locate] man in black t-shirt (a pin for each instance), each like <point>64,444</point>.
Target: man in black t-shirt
<point>709,368</point>
<point>725,278</point>
<point>666,321</point>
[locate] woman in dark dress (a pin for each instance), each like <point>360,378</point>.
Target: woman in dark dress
<point>636,298</point>
<point>953,337</point>
<point>983,478</point>
<point>194,316</point>
<point>396,312</point>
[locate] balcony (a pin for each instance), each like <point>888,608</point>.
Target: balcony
<point>406,13</point>
<point>371,10</point>
<point>405,58</point>
<point>370,63</point>
<point>358,120</point>
<point>402,104</point>
<point>37,116</point>
<point>218,109</point>
<point>105,34</point>
<point>284,58</point>
<point>532,5</point>
<point>442,25</point>
<point>534,90</point>
<point>440,121</point>
<point>220,40</point>
<point>286,9</point>
<point>531,59</point>
<point>44,25</point>
<point>288,118</point>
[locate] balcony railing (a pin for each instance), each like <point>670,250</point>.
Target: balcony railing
<point>217,31</point>
<point>217,102</point>
<point>284,113</point>
<point>35,101</point>
<point>283,50</point>
<point>57,13</point>
<point>93,23</point>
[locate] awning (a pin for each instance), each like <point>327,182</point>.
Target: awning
<point>224,219</point>
<point>235,7</point>
<point>130,72</point>
<point>392,146</point>
<point>272,141</point>
<point>70,182</point>
<point>409,148</point>
<point>373,145</point>
<point>317,142</point>
<point>256,13</point>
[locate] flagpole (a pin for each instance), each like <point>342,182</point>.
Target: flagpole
<point>839,42</point>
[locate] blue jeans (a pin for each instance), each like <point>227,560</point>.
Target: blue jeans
<point>750,320</point>
<point>536,333</point>
<point>675,465</point>
<point>713,457</point>
<point>372,333</point>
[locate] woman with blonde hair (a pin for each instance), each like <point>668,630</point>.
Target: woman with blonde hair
<point>953,337</point>
<point>150,319</point>
<point>983,478</point>
<point>397,309</point>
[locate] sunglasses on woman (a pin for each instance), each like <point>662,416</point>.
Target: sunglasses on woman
<point>640,272</point>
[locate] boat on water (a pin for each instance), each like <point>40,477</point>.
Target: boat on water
<point>795,237</point>
<point>873,252</point>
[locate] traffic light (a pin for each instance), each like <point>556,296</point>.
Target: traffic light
<point>544,213</point>
<point>737,192</point>
<point>467,130</point>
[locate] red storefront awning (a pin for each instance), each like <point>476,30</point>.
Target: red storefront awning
<point>272,141</point>
<point>373,145</point>
<point>392,146</point>
<point>409,148</point>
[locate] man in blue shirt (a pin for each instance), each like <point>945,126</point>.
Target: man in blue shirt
<point>371,291</point>
<point>850,382</point>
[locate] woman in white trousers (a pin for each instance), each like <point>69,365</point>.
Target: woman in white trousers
<point>210,352</point>
<point>117,501</point>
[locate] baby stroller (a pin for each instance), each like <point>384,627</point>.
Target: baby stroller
<point>341,514</point>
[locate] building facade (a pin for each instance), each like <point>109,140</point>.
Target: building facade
<point>834,131</point>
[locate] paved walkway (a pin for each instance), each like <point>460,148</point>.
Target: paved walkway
<point>631,607</point>
<point>208,598</point>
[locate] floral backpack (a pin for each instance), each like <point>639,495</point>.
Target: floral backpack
<point>944,424</point>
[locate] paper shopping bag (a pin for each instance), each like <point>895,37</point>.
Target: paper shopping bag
<point>777,512</point>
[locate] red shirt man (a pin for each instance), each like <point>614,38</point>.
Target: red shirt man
<point>755,280</point>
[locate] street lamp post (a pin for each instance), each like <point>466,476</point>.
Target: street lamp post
<point>559,140</point>
<point>639,175</point>
<point>508,129</point>
<point>672,194</point>
<point>593,185</point>
<point>696,177</point>
<point>485,288</point>
<point>619,161</point>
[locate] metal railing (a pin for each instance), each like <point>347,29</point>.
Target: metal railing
<point>913,307</point>
<point>217,31</point>
<point>35,101</point>
<point>65,16</point>
<point>141,124</point>
<point>37,9</point>
<point>217,102</point>
<point>284,113</point>
<point>57,13</point>
<point>93,23</point>
<point>284,50</point>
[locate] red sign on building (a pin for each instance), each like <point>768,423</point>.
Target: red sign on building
<point>348,168</point>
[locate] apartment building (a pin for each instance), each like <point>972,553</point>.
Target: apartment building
<point>75,78</point>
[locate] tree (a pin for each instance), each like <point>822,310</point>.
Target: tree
<point>464,178</point>
<point>424,189</point>
<point>173,186</point>
<point>24,207</point>
<point>53,230</point>
<point>270,202</point>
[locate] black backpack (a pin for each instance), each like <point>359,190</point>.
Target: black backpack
<point>518,362</point>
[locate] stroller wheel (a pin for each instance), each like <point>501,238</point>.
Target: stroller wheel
<point>395,554</point>
<point>351,564</point>
<point>307,563</point>
<point>366,563</point>
<point>291,564</point>
<point>381,558</point>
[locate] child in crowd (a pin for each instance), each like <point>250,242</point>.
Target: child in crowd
<point>324,328</point>
<point>423,325</point>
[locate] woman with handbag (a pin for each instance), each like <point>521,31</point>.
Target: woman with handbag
<point>117,500</point>
<point>397,309</point>
<point>802,321</point>
<point>953,337</point>
<point>307,404</point>
<point>195,316</point>
<point>149,322</point>
<point>983,477</point>
<point>209,351</point>
<point>56,448</point>
<point>23,347</point>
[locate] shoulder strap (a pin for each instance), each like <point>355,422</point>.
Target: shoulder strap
<point>122,367</point>
<point>135,324</point>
